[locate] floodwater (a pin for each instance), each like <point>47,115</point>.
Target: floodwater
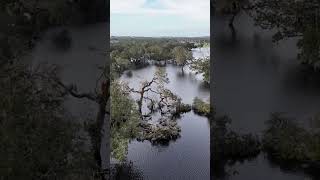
<point>254,77</point>
<point>189,156</point>
<point>78,65</point>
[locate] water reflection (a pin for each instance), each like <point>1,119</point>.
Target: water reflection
<point>253,78</point>
<point>188,157</point>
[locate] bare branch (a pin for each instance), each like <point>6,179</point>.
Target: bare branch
<point>73,92</point>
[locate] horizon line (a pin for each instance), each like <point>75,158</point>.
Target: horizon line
<point>158,36</point>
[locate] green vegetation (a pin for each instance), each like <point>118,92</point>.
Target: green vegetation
<point>310,46</point>
<point>128,121</point>
<point>201,107</point>
<point>286,142</point>
<point>162,133</point>
<point>125,119</point>
<point>181,56</point>
<point>202,66</point>
<point>231,145</point>
<point>39,139</point>
<point>205,45</point>
<point>228,147</point>
<point>298,19</point>
<point>130,115</point>
<point>127,53</point>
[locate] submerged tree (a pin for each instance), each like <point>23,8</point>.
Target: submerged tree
<point>228,146</point>
<point>182,56</point>
<point>285,141</point>
<point>202,66</point>
<point>155,85</point>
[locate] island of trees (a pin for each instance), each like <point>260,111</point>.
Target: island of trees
<point>132,122</point>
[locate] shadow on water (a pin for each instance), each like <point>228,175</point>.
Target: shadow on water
<point>254,77</point>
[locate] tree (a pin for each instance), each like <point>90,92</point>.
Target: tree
<point>119,63</point>
<point>159,78</point>
<point>182,56</point>
<point>202,66</point>
<point>310,48</point>
<point>36,129</point>
<point>100,97</point>
<point>124,119</point>
<point>232,8</point>
<point>292,19</point>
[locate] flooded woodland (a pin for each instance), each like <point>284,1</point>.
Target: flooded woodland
<point>266,88</point>
<point>172,138</point>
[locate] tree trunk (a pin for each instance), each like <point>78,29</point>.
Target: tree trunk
<point>99,125</point>
<point>233,31</point>
<point>100,121</point>
<point>182,70</point>
<point>140,101</point>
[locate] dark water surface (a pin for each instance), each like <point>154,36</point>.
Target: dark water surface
<point>78,65</point>
<point>255,77</point>
<point>189,156</point>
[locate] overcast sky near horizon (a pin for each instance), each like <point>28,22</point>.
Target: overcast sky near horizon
<point>154,18</point>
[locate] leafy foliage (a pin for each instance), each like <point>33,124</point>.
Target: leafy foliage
<point>201,107</point>
<point>129,53</point>
<point>228,147</point>
<point>202,66</point>
<point>292,19</point>
<point>182,56</point>
<point>286,141</point>
<point>310,47</point>
<point>36,130</point>
<point>124,120</point>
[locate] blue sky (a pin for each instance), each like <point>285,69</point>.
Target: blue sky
<point>160,18</point>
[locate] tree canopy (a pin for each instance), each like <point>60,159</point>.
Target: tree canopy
<point>182,56</point>
<point>292,19</point>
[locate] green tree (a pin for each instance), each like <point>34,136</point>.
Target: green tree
<point>124,120</point>
<point>182,56</point>
<point>292,19</point>
<point>202,66</point>
<point>36,129</point>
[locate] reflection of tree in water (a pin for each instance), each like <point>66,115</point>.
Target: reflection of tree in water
<point>125,171</point>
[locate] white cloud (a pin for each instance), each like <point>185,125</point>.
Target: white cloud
<point>198,10</point>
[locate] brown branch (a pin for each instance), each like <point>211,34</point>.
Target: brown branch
<point>73,92</point>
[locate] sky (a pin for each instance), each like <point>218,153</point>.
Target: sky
<point>156,18</point>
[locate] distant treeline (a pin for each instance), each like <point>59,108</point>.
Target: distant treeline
<point>128,51</point>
